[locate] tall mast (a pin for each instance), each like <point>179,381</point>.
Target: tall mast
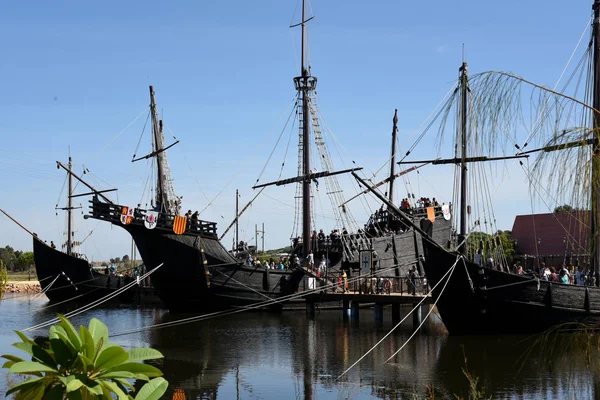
<point>393,158</point>
<point>237,216</point>
<point>464,81</point>
<point>69,208</point>
<point>161,202</point>
<point>595,200</point>
<point>305,84</point>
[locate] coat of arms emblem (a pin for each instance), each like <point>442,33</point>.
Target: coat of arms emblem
<point>126,215</point>
<point>151,219</point>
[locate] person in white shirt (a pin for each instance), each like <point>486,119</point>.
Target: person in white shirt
<point>478,257</point>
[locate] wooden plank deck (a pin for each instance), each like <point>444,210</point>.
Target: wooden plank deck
<point>392,298</point>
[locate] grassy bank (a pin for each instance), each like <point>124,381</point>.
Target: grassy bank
<point>21,276</point>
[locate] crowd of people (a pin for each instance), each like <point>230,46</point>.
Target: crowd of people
<point>422,202</point>
<point>192,217</point>
<point>286,263</point>
<point>570,275</point>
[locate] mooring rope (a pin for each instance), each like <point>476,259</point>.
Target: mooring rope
<point>532,280</point>
<point>46,278</point>
<point>27,294</point>
<point>240,283</point>
<point>62,302</point>
<point>399,323</point>
<point>427,316</point>
<point>94,303</point>
<point>255,306</point>
<point>40,294</point>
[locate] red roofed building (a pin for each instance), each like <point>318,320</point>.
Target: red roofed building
<point>554,238</point>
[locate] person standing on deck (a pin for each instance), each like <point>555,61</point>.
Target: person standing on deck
<point>310,260</point>
<point>478,257</point>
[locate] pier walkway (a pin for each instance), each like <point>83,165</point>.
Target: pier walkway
<point>367,291</point>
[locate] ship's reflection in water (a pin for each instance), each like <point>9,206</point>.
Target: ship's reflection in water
<point>281,356</point>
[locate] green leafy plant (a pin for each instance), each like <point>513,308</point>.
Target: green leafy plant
<point>3,278</point>
<point>477,391</point>
<point>83,365</point>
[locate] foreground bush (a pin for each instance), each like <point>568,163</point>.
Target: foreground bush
<point>83,365</point>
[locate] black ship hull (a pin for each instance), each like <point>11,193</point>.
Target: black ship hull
<point>199,274</point>
<point>481,300</point>
<point>71,277</point>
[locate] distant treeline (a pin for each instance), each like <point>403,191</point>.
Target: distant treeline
<point>16,260</point>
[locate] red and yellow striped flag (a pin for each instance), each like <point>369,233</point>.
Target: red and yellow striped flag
<point>431,214</point>
<point>179,224</point>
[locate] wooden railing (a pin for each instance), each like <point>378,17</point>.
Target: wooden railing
<point>112,213</point>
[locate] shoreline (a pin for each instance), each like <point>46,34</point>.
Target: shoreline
<point>22,287</point>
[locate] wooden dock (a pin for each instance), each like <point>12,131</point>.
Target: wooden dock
<point>385,299</point>
<point>362,294</point>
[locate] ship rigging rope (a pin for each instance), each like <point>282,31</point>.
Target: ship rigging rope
<point>251,307</point>
<point>255,306</point>
<point>536,187</point>
<point>356,186</point>
<point>72,284</point>
<point>400,145</point>
<point>415,331</point>
<point>25,294</point>
<point>291,206</point>
<point>94,303</point>
<point>194,176</point>
<point>240,283</point>
<point>447,103</point>
<point>40,294</point>
<point>588,24</point>
<point>61,302</point>
<point>61,190</point>
<point>450,270</point>
<point>532,280</point>
<point>468,276</point>
<point>277,144</point>
<point>264,187</point>
<point>250,156</point>
<point>118,134</point>
<point>46,278</point>
<point>137,147</point>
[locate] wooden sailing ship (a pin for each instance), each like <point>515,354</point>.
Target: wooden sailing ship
<point>65,274</point>
<point>393,245</point>
<point>196,271</point>
<point>475,297</point>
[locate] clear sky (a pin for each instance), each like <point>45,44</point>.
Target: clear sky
<point>75,73</point>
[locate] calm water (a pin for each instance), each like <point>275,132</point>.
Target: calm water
<point>287,356</point>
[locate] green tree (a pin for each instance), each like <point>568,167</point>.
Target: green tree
<point>565,208</point>
<point>26,260</point>
<point>125,258</point>
<point>480,239</point>
<point>3,278</point>
<point>508,244</point>
<point>83,365</point>
<point>117,260</point>
<point>7,255</point>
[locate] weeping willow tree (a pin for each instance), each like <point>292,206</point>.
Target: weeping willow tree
<point>556,123</point>
<point>500,117</point>
<point>557,133</point>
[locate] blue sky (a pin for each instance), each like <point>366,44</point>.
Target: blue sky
<point>74,74</point>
